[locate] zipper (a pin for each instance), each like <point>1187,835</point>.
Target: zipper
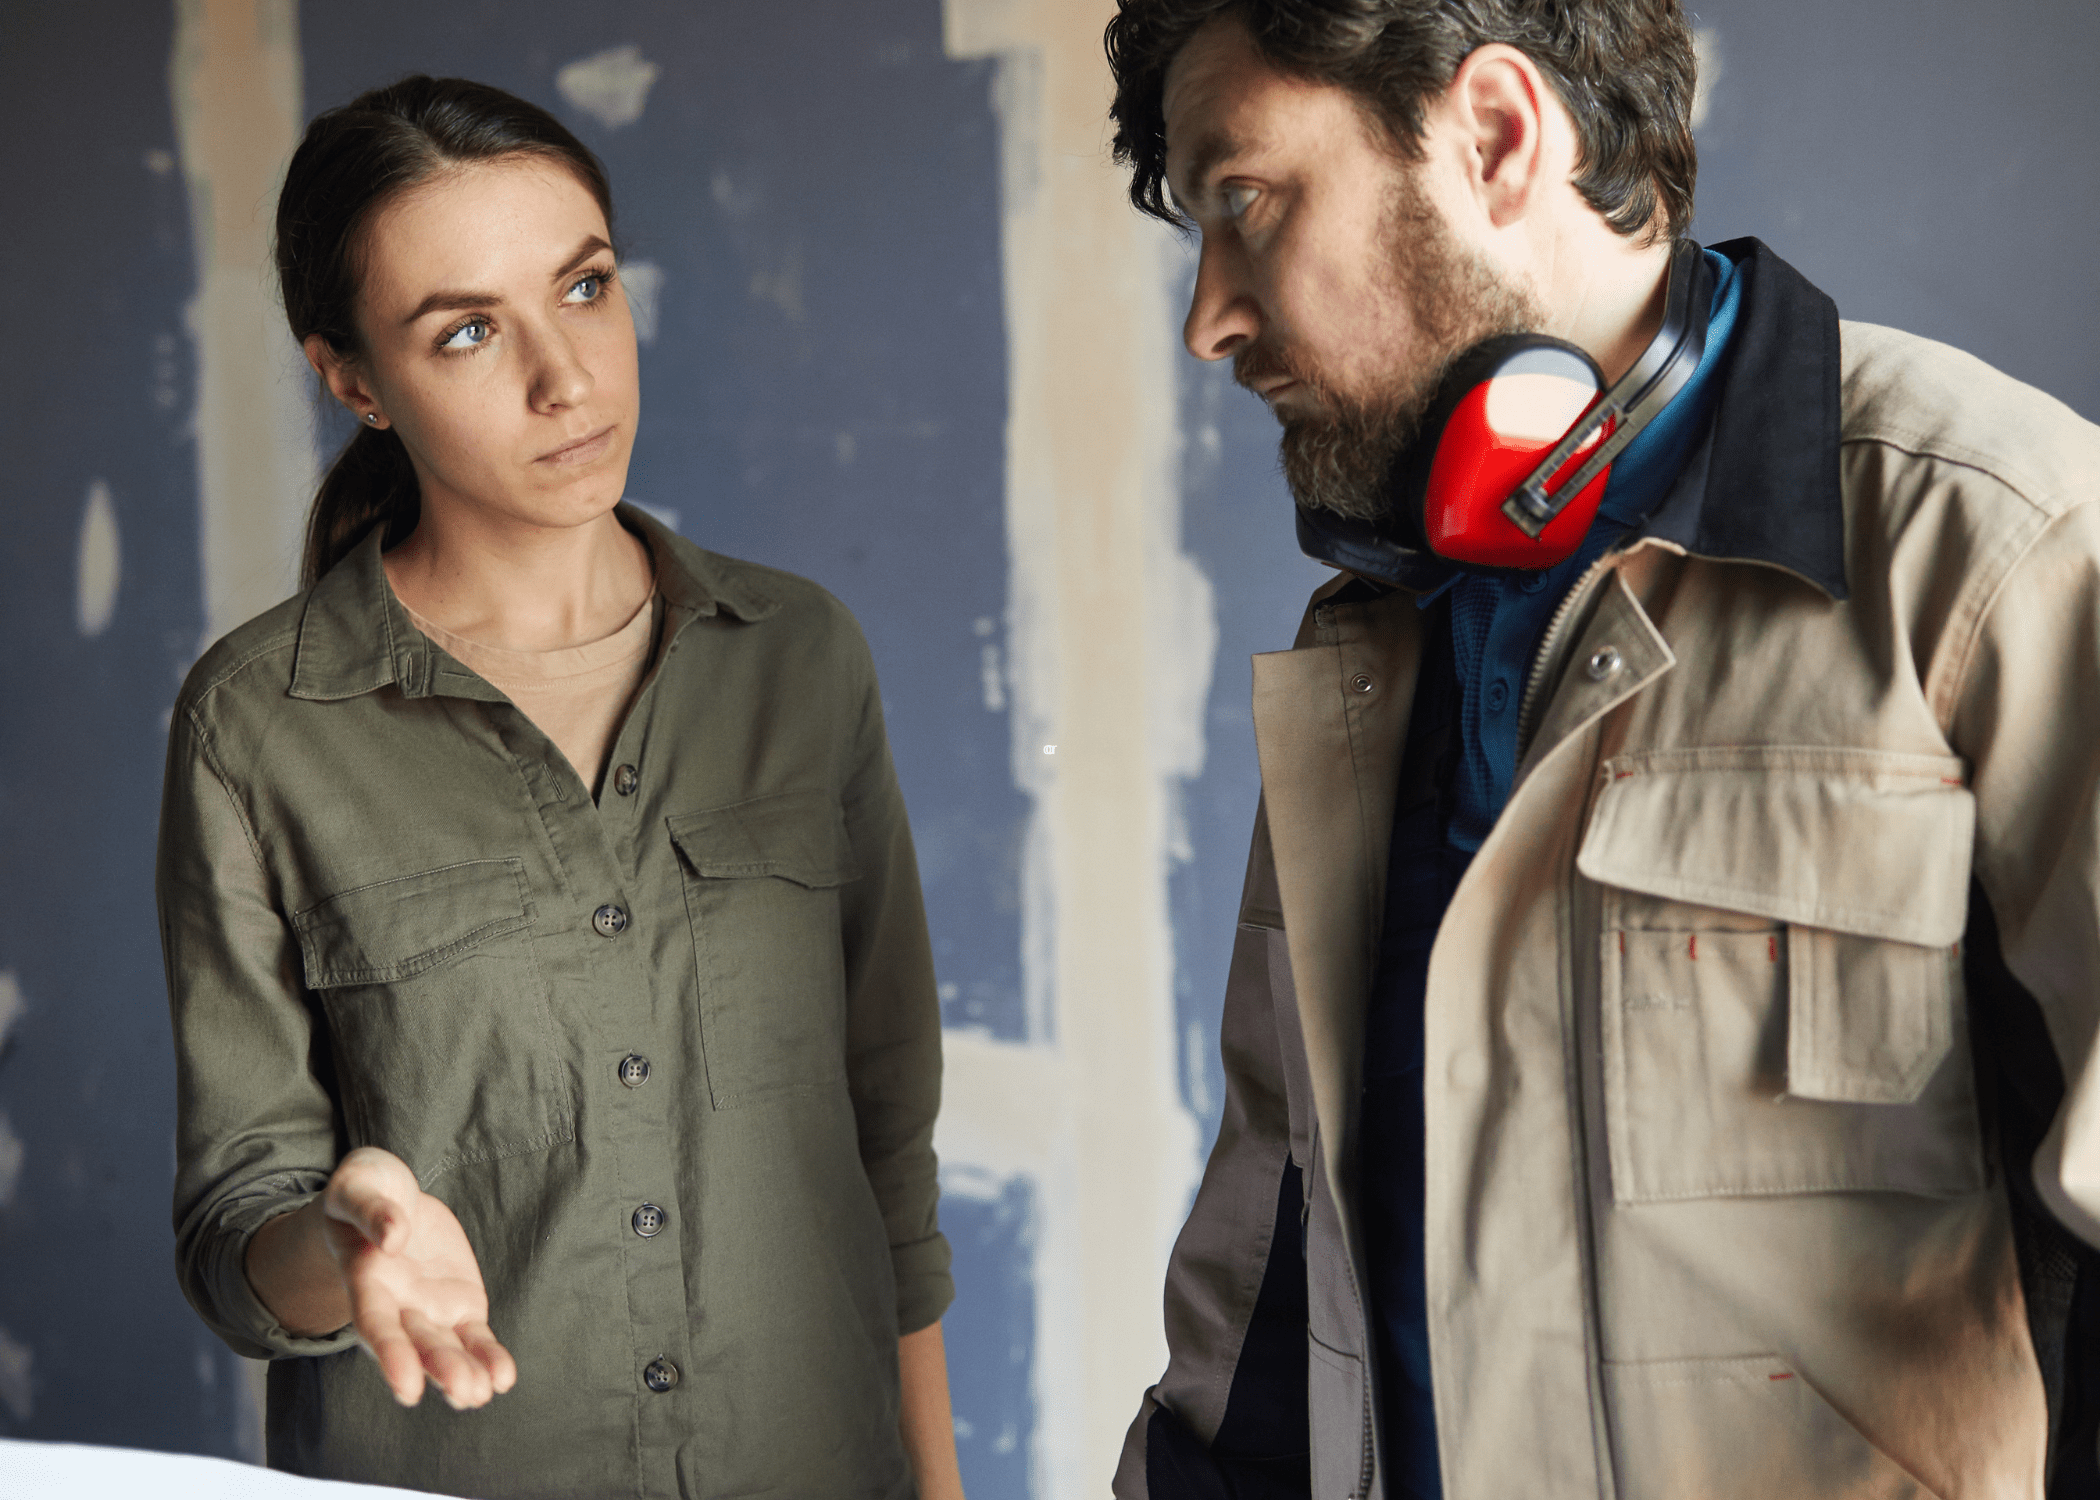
<point>1527,706</point>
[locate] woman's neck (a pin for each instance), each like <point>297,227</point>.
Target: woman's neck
<point>523,588</point>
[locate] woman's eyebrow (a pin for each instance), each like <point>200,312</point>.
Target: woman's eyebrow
<point>455,301</point>
<point>592,245</point>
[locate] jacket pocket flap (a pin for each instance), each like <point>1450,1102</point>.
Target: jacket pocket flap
<point>799,836</point>
<point>396,929</point>
<point>1856,841</point>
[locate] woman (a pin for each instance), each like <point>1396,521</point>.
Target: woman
<point>552,997</point>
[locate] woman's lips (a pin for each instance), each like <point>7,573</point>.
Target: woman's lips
<point>583,450</point>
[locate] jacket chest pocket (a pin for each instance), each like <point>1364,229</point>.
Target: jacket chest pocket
<point>438,1014</point>
<point>1781,985</point>
<point>762,885</point>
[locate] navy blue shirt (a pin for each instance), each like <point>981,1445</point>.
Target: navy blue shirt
<point>1482,633</point>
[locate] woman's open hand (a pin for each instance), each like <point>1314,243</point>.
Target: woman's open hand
<point>377,1251</point>
<point>415,1288</point>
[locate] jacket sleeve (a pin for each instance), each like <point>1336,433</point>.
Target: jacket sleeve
<point>256,1130</point>
<point>1216,1272</point>
<point>893,1017</point>
<point>2027,720</point>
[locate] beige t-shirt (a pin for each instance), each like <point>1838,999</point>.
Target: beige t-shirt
<point>577,695</point>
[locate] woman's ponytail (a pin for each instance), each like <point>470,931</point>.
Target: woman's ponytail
<point>351,162</point>
<point>371,483</point>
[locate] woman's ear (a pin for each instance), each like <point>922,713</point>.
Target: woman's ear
<point>343,376</point>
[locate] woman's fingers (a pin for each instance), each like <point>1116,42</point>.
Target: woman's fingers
<point>480,1341</point>
<point>463,1380</point>
<point>379,1324</point>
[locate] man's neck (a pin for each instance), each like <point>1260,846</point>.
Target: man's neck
<point>1605,291</point>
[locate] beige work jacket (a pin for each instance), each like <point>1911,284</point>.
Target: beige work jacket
<point>1712,1209</point>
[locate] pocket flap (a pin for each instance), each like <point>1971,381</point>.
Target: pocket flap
<point>396,929</point>
<point>799,836</point>
<point>1856,841</point>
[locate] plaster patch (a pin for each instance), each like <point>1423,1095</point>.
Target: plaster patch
<point>1706,55</point>
<point>17,1392</point>
<point>235,75</point>
<point>644,280</point>
<point>610,86</point>
<point>99,564</point>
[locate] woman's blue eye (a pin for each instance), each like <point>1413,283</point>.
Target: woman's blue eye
<point>590,289</point>
<point>471,334</point>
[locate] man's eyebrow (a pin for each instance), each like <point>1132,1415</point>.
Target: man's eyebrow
<point>1211,149</point>
<point>456,301</point>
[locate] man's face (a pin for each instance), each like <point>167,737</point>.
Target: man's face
<point>1328,275</point>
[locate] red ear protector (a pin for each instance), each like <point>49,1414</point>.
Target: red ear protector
<point>1516,449</point>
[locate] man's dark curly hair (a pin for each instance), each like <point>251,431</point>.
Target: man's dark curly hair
<point>1624,68</point>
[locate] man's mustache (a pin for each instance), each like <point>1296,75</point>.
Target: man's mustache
<point>1266,362</point>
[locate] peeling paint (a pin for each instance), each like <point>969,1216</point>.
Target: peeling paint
<point>11,1006</point>
<point>17,1385</point>
<point>1706,55</point>
<point>11,1154</point>
<point>781,285</point>
<point>99,564</point>
<point>610,86</point>
<point>644,281</point>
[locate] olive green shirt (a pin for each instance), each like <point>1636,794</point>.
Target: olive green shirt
<point>672,1057</point>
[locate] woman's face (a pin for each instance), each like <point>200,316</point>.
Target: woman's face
<point>499,345</point>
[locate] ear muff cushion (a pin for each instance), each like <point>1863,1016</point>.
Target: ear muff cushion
<point>1501,409</point>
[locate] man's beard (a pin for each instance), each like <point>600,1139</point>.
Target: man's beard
<point>1342,460</point>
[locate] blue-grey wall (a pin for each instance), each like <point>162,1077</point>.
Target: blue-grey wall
<point>825,392</point>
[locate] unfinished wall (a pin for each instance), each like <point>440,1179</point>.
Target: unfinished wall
<point>899,333</point>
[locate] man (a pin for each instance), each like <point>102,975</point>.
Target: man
<point>1660,1035</point>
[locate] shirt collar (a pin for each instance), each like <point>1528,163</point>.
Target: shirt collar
<point>355,637</point>
<point>1762,485</point>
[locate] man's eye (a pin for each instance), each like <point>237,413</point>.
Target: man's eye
<point>1239,198</point>
<point>471,334</point>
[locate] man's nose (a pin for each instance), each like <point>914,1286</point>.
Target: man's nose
<point>1223,314</point>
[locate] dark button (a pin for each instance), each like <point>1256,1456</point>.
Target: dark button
<point>648,1221</point>
<point>634,1070</point>
<point>625,780</point>
<point>610,920</point>
<point>659,1375</point>
<point>1497,696</point>
<point>1531,583</point>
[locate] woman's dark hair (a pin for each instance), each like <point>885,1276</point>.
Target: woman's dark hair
<point>1623,68</point>
<point>352,162</point>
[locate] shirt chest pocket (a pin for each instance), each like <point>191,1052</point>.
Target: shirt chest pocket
<point>1782,995</point>
<point>438,1015</point>
<point>762,885</point>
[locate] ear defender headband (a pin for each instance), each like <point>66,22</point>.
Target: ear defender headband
<point>1516,449</point>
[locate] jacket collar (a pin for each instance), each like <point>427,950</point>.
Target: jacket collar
<point>1763,484</point>
<point>354,636</point>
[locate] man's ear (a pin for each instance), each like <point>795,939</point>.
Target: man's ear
<point>343,376</point>
<point>1508,120</point>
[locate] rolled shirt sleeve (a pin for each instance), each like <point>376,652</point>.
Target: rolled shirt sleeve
<point>893,1021</point>
<point>257,1133</point>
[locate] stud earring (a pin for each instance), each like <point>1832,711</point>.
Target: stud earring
<point>372,417</point>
